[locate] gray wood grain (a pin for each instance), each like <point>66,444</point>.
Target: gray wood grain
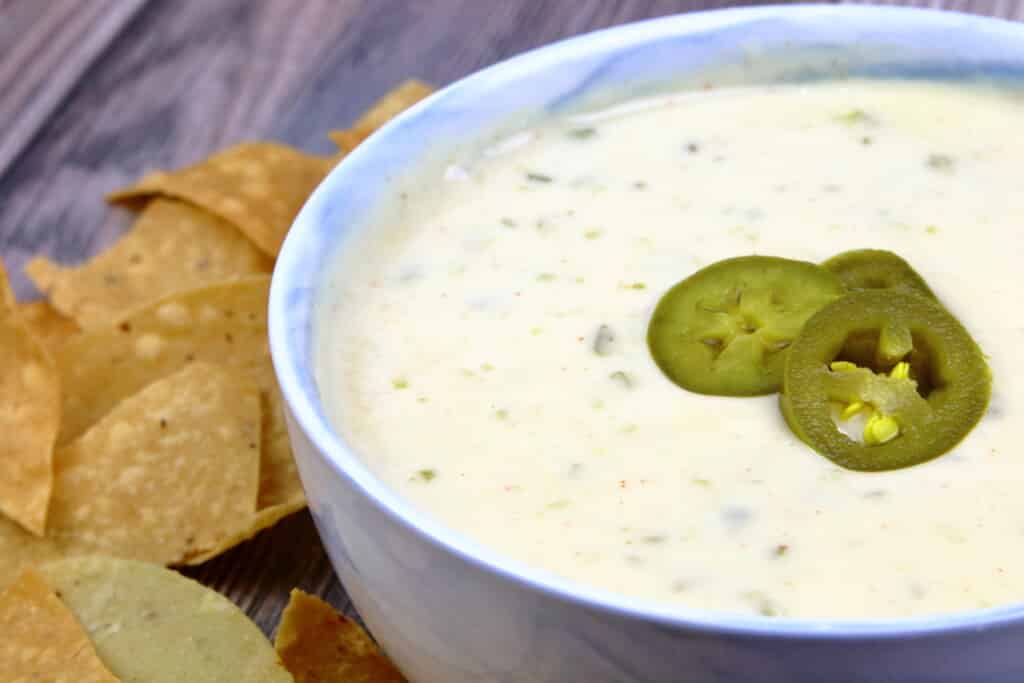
<point>47,47</point>
<point>1004,9</point>
<point>102,90</point>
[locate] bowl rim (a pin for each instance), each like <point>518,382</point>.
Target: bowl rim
<point>337,453</point>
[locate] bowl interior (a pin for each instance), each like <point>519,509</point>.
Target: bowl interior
<point>757,45</point>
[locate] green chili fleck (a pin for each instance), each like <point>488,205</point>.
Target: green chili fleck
<point>582,133</point>
<point>508,222</point>
<point>539,177</point>
<point>400,383</point>
<point>501,414</point>
<point>546,277</point>
<point>621,378</point>
<point>762,603</point>
<point>604,341</point>
<point>940,162</point>
<point>857,117</point>
<point>592,234</point>
<point>425,476</point>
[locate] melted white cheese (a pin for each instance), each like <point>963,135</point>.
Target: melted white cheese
<point>456,350</point>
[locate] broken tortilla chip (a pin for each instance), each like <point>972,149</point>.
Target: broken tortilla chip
<point>258,187</point>
<point>152,624</point>
<point>42,640</point>
<point>29,418</point>
<point>248,527</point>
<point>386,108</point>
<point>318,644</point>
<point>167,473</point>
<point>172,246</point>
<point>47,324</point>
<point>224,324</point>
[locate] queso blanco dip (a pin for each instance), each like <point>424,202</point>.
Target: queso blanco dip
<point>484,349</point>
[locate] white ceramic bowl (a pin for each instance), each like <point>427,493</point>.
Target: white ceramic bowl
<point>450,611</point>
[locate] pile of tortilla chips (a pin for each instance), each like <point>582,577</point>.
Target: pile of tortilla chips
<point>141,420</point>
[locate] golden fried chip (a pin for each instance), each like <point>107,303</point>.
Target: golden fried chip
<point>258,187</point>
<point>166,473</point>
<point>224,323</point>
<point>42,641</point>
<point>170,473</point>
<point>46,324</point>
<point>29,418</point>
<point>173,246</point>
<point>386,108</point>
<point>317,645</point>
<point>248,527</point>
<point>19,550</point>
<point>7,299</point>
<point>154,625</point>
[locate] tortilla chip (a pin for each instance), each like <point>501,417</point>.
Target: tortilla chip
<point>19,550</point>
<point>223,324</point>
<point>317,644</point>
<point>247,528</point>
<point>386,108</point>
<point>46,324</point>
<point>42,641</point>
<point>258,187</point>
<point>29,418</point>
<point>173,246</point>
<point>166,473</point>
<point>7,299</point>
<point>154,625</point>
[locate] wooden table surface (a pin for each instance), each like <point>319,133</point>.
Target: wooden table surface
<point>93,92</point>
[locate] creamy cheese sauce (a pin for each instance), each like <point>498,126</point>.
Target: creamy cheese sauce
<point>456,351</point>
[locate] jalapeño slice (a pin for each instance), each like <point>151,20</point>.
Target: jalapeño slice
<point>899,357</point>
<point>876,269</point>
<point>725,329</point>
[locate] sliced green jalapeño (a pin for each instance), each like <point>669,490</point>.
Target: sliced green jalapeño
<point>900,360</point>
<point>725,329</point>
<point>876,269</point>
